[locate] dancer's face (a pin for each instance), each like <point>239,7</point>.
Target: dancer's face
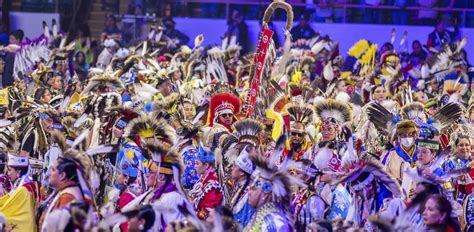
<point>13,173</point>
<point>46,97</point>
<point>78,87</point>
<point>46,124</point>
<point>463,149</point>
<point>22,84</point>
<point>297,138</point>
<point>432,215</point>
<point>329,130</point>
<point>379,94</point>
<point>56,83</point>
<point>425,156</point>
<point>236,172</point>
<point>255,195</point>
<point>55,176</point>
<point>151,178</point>
<point>226,118</point>
<point>201,167</point>
<point>118,132</point>
<point>188,110</point>
<point>121,178</point>
<point>297,133</point>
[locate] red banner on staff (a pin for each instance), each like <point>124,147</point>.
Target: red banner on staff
<point>259,62</point>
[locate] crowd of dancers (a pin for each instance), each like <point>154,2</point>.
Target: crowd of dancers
<point>162,137</point>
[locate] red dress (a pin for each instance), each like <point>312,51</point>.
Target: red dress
<point>206,194</point>
<point>124,199</point>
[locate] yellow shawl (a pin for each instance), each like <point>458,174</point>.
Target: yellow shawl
<point>18,208</point>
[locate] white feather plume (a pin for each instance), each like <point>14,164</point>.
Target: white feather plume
<point>46,32</point>
<point>343,97</point>
<point>101,149</point>
<point>55,29</point>
<point>151,34</point>
<point>321,160</point>
<point>198,40</point>
<point>392,40</point>
<point>425,71</point>
<point>328,72</point>
<point>80,138</point>
<point>225,40</point>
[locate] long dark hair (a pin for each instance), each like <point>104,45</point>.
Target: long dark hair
<point>443,205</point>
<point>69,168</point>
<point>22,170</point>
<point>248,179</point>
<point>226,215</point>
<point>148,214</point>
<point>163,188</point>
<point>39,93</point>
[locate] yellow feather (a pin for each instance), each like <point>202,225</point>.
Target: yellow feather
<point>359,48</point>
<point>277,125</point>
<point>75,98</point>
<point>346,74</point>
<point>296,78</point>
<point>4,97</point>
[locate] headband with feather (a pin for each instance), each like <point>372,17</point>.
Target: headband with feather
<point>248,131</point>
<point>300,113</point>
<point>164,156</point>
<point>335,109</point>
<point>184,128</point>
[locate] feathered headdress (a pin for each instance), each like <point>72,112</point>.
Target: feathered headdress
<point>413,111</point>
<point>164,158</point>
<point>166,104</point>
<point>184,128</point>
<point>126,111</point>
<point>29,118</point>
<point>149,125</point>
<point>337,110</point>
<point>276,104</point>
<point>101,82</point>
<point>248,131</point>
<point>27,56</point>
<point>62,52</point>
<point>406,126</point>
<point>447,115</point>
<point>219,87</point>
<point>229,45</point>
<point>383,120</point>
<point>87,175</point>
<point>223,103</point>
<point>8,139</point>
<point>319,43</point>
<point>205,154</point>
<point>443,59</point>
<point>360,177</point>
<point>300,114</point>
<point>454,89</point>
<point>271,180</point>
